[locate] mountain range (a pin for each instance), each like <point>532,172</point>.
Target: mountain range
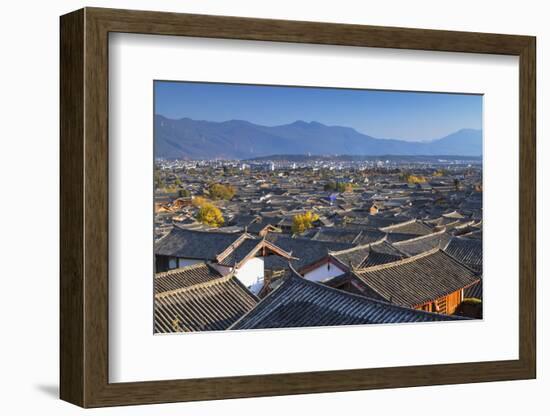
<point>237,139</point>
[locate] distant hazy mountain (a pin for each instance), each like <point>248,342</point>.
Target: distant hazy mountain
<point>236,139</point>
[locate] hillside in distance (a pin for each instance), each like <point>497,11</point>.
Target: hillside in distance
<point>362,158</point>
<point>237,139</point>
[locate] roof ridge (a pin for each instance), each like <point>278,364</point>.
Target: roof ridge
<point>348,250</point>
<point>397,225</point>
<point>361,298</point>
<point>465,224</point>
<point>398,262</point>
<point>285,280</point>
<point>462,237</point>
<point>265,243</point>
<point>398,253</point>
<point>181,269</point>
<point>235,245</point>
<point>459,262</point>
<point>420,237</point>
<point>392,245</point>
<point>202,231</point>
<point>451,213</point>
<point>201,285</point>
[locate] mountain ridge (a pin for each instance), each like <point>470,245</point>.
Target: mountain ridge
<point>186,138</point>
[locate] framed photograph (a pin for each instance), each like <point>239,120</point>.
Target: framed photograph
<point>255,207</point>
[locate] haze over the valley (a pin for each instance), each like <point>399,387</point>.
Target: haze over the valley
<point>186,138</point>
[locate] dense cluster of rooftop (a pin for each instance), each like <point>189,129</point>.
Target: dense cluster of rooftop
<point>297,244</point>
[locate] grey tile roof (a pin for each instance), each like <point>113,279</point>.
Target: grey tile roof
<point>208,306</point>
<point>369,236</point>
<point>409,227</point>
<point>194,244</point>
<point>378,221</point>
<point>239,253</point>
<point>423,243</point>
<point>243,220</point>
<point>353,235</point>
<point>474,235</point>
<point>443,221</point>
<point>419,279</point>
<point>353,256</point>
<point>340,235</point>
<point>259,225</point>
<point>298,302</point>
<point>305,251</point>
<point>368,255</point>
<point>474,291</point>
<point>396,237</point>
<point>387,248</point>
<point>376,258</point>
<point>185,277</point>
<point>453,214</point>
<point>468,251</point>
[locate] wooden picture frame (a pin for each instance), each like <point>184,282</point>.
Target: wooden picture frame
<point>84,207</point>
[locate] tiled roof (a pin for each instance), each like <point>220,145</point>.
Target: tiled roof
<point>208,306</point>
<point>351,235</point>
<point>397,237</point>
<point>352,257</point>
<point>419,279</point>
<point>376,258</point>
<point>474,235</point>
<point>377,221</point>
<point>247,247</point>
<point>369,236</point>
<point>468,251</point>
<point>226,249</point>
<point>370,254</point>
<point>192,244</point>
<point>409,227</point>
<point>474,291</point>
<point>185,277</point>
<point>340,235</point>
<point>258,226</point>
<point>305,251</point>
<point>298,302</point>
<point>243,220</point>
<point>453,214</point>
<point>423,243</point>
<point>240,252</point>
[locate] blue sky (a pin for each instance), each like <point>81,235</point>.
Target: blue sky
<point>410,116</point>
